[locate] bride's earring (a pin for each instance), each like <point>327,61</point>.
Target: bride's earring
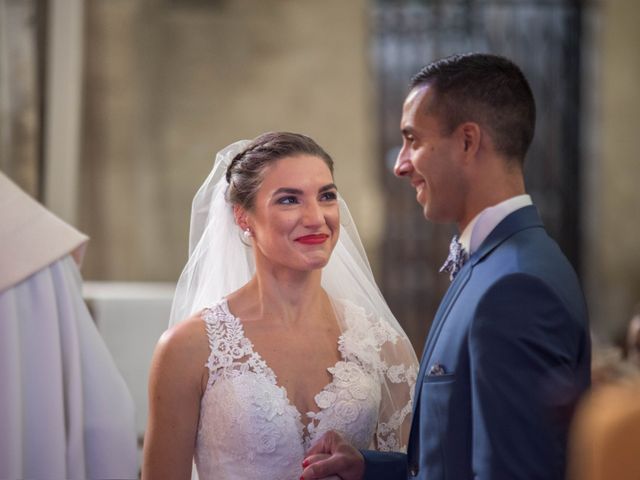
<point>247,233</point>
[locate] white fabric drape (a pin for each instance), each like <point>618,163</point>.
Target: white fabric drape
<point>65,411</point>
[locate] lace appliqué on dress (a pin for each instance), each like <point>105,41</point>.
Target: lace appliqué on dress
<point>228,346</point>
<point>249,428</point>
<point>373,343</point>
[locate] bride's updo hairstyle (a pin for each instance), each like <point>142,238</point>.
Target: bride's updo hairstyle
<point>246,170</point>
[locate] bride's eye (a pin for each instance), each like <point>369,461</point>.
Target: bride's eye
<point>332,195</point>
<point>288,200</point>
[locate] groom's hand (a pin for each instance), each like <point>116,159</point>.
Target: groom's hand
<point>333,455</point>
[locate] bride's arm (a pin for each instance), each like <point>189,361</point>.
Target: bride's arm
<point>175,390</point>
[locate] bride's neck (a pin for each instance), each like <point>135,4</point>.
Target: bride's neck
<point>289,296</point>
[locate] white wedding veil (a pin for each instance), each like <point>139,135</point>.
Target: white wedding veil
<point>221,261</point>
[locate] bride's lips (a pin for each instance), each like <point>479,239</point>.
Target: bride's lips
<point>314,239</point>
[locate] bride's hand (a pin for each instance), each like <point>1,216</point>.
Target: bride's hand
<point>310,459</point>
<point>333,457</point>
<point>316,458</point>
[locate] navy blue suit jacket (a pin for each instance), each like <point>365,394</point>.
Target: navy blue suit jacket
<point>506,359</point>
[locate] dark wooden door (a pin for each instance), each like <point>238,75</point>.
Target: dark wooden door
<point>543,38</point>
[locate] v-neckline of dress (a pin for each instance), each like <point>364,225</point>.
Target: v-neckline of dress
<point>270,374</point>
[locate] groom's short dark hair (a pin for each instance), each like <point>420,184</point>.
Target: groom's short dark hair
<point>487,89</point>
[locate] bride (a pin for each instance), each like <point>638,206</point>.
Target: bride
<point>279,332</point>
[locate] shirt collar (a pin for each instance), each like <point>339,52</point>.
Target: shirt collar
<point>484,222</point>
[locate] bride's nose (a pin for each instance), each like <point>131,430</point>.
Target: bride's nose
<point>312,215</point>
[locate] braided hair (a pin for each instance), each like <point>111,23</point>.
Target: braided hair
<point>246,170</point>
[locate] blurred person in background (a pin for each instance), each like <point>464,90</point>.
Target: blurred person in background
<point>605,437</point>
<point>633,338</point>
<point>65,411</point>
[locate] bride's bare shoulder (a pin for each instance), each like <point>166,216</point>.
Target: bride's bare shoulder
<point>180,346</point>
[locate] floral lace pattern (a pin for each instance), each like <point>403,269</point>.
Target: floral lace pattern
<point>248,427</point>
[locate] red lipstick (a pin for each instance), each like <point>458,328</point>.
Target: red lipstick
<point>314,239</point>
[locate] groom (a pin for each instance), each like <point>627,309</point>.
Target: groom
<point>508,353</point>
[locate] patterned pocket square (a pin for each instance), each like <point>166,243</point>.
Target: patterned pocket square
<point>436,370</point>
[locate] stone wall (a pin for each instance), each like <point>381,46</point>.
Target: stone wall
<point>612,197</point>
<point>168,83</point>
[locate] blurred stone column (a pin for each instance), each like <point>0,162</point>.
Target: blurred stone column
<point>20,93</point>
<point>612,196</point>
<point>64,50</point>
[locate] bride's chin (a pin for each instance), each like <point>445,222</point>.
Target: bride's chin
<point>316,262</point>
<point>319,265</point>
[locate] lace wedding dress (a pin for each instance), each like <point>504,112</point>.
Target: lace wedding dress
<point>248,428</point>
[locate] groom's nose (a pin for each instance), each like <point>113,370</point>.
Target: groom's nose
<point>403,164</point>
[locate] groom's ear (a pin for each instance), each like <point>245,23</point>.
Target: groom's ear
<point>470,135</point>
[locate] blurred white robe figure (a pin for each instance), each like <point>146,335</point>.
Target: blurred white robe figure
<point>65,411</point>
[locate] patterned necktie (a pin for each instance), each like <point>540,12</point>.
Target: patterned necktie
<point>456,259</point>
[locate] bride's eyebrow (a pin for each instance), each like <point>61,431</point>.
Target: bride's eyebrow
<point>297,191</point>
<point>290,191</point>
<point>330,186</point>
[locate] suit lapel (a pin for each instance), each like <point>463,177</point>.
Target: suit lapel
<point>447,302</point>
<point>449,299</point>
<point>526,217</point>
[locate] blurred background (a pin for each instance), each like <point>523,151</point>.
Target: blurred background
<point>111,112</point>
